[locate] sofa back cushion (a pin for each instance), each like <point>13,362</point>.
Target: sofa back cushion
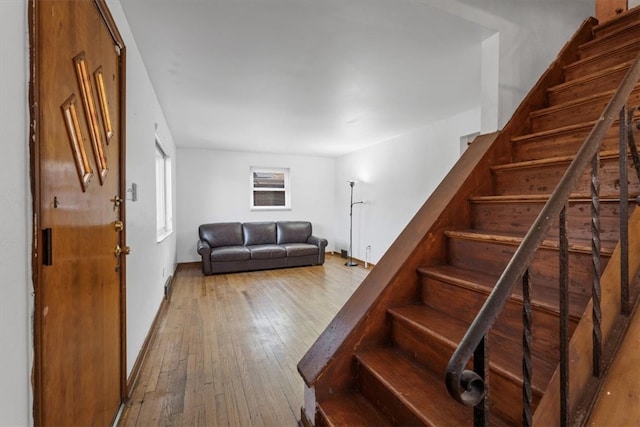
<point>221,234</point>
<point>293,231</point>
<point>259,233</point>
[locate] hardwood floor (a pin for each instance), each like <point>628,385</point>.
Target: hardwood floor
<point>225,353</point>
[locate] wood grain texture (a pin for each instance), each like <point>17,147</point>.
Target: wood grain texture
<point>328,365</point>
<point>607,10</point>
<point>580,346</point>
<point>619,400</point>
<point>226,350</point>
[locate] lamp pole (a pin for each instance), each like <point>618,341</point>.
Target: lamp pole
<point>351,263</point>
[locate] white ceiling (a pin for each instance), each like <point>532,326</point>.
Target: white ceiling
<point>319,77</point>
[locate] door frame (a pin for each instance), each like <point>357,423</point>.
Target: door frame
<point>34,10</point>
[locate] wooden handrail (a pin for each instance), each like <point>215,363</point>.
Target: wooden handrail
<point>467,386</point>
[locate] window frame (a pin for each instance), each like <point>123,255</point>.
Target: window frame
<point>164,190</point>
<point>286,189</point>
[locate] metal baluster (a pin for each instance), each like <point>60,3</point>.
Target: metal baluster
<point>625,128</point>
<point>481,367</point>
<point>633,148</point>
<point>526,351</point>
<point>564,318</point>
<point>595,262</point>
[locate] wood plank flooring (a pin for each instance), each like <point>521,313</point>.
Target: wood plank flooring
<point>226,351</point>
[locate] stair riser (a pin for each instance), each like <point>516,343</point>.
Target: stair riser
<point>436,355</point>
<point>561,145</point>
<point>384,399</point>
<point>604,30</point>
<point>518,217</point>
<point>576,113</point>
<point>426,349</point>
<point>509,324</point>
<point>543,271</point>
<point>603,44</point>
<point>587,88</point>
<point>507,404</point>
<point>600,62</point>
<point>544,179</point>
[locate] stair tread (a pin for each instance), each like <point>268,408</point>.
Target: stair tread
<point>596,97</point>
<point>484,282</point>
<point>351,410</point>
<point>594,59</point>
<point>586,126</point>
<point>630,44</point>
<point>615,21</point>
<point>450,330</point>
<point>422,391</point>
<point>622,29</point>
<point>568,129</point>
<point>593,76</point>
<point>538,198</point>
<point>608,154</point>
<point>576,245</point>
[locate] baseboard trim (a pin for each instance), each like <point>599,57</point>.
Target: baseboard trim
<point>132,381</point>
<point>188,265</point>
<point>360,262</point>
<point>304,420</point>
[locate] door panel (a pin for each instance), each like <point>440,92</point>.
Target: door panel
<point>79,301</point>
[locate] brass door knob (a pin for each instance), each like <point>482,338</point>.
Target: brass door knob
<point>119,251</point>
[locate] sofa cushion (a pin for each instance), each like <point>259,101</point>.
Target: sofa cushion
<point>230,253</point>
<point>293,231</point>
<point>300,249</point>
<point>267,251</point>
<point>222,234</point>
<point>259,233</point>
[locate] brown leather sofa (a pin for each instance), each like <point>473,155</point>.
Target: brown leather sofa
<point>228,247</point>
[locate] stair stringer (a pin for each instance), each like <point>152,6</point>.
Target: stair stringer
<point>362,322</point>
<point>581,379</point>
<point>327,367</point>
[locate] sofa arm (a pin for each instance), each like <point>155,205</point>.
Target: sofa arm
<point>205,251</point>
<point>321,244</point>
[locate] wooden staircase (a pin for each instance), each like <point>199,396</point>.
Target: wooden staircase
<point>382,360</point>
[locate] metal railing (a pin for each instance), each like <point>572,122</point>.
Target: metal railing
<point>469,386</point>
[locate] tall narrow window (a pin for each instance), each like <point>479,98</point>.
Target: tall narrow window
<point>164,218</point>
<point>270,188</point>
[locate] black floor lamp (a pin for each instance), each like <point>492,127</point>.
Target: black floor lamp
<point>351,263</point>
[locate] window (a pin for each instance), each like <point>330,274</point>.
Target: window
<point>164,219</point>
<point>270,188</point>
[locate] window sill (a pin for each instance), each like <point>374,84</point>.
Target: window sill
<point>269,208</point>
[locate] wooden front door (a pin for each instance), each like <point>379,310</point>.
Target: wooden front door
<point>77,81</point>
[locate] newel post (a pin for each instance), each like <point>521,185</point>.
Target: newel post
<point>609,9</point>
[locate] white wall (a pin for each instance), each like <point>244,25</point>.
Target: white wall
<point>531,34</point>
<point>15,204</point>
<point>529,37</point>
<point>150,263</point>
<point>528,48</point>
<point>213,186</point>
<point>395,178</point>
